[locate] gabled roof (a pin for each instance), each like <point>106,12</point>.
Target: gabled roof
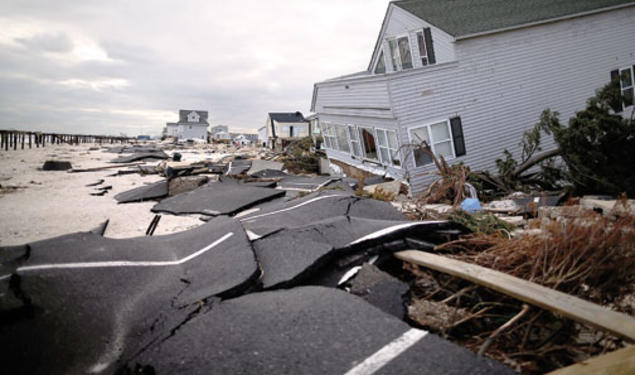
<point>202,116</point>
<point>288,117</point>
<point>467,17</point>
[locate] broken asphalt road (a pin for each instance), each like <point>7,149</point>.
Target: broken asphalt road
<point>306,330</point>
<point>80,302</point>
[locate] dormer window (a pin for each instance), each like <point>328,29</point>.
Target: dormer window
<point>426,50</point>
<point>381,64</point>
<point>193,117</point>
<point>400,53</point>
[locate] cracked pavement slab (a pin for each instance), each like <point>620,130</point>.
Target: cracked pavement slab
<point>289,256</point>
<point>81,302</point>
<point>158,155</point>
<point>143,193</point>
<point>381,290</point>
<point>305,330</point>
<point>271,217</point>
<point>217,198</point>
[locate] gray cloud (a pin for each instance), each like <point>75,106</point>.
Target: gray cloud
<point>121,66</point>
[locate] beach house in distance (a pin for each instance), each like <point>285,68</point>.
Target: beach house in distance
<point>469,77</point>
<point>282,127</point>
<point>192,125</point>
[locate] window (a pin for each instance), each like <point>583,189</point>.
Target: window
<point>626,85</point>
<point>368,142</point>
<point>438,136</point>
<point>400,53</point>
<point>381,64</point>
<point>426,50</point>
<point>342,138</point>
<point>353,136</point>
<point>387,142</point>
<point>329,136</point>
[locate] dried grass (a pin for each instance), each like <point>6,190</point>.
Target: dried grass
<point>451,185</point>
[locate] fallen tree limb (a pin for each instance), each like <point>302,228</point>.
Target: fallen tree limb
<point>535,160</point>
<point>564,304</point>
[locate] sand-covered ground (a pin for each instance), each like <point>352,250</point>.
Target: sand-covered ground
<point>36,204</point>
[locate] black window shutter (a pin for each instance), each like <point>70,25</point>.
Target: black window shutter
<point>616,104</point>
<point>457,135</point>
<point>429,46</point>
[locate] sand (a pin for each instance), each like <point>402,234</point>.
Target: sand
<point>52,203</point>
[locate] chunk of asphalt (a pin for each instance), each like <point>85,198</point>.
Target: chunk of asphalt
<point>143,193</point>
<point>99,182</point>
<point>56,165</point>
<point>238,166</point>
<point>217,198</point>
<point>380,289</point>
<point>268,173</point>
<point>304,183</point>
<point>264,165</point>
<point>290,256</point>
<point>273,216</point>
<point>307,330</point>
<point>114,296</point>
<point>156,155</point>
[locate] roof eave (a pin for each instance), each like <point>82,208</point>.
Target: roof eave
<point>542,22</point>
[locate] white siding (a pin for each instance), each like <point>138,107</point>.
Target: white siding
<point>400,22</point>
<point>355,97</point>
<point>192,131</point>
<point>503,82</point>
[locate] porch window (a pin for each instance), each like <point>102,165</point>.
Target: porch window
<point>438,136</point>
<point>368,142</point>
<point>387,142</point>
<point>626,85</point>
<point>381,64</point>
<point>342,139</point>
<point>400,53</point>
<point>329,136</point>
<point>353,137</point>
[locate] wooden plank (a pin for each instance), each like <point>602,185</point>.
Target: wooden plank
<point>619,362</point>
<point>105,168</point>
<point>564,304</point>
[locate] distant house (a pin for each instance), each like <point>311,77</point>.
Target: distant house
<point>285,126</point>
<point>241,140</point>
<point>262,136</point>
<point>252,137</point>
<point>172,129</point>
<point>192,125</point>
<point>468,77</point>
<point>220,132</point>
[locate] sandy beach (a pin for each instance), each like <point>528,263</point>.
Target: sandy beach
<point>38,204</point>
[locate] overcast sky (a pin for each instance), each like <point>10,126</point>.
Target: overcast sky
<point>105,67</point>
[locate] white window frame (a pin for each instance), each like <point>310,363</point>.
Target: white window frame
<point>622,88</point>
<point>428,127</point>
<point>359,134</point>
<point>337,140</point>
<point>351,141</point>
<point>425,48</point>
<point>391,151</point>
<point>396,38</point>
<point>331,144</point>
<point>380,57</point>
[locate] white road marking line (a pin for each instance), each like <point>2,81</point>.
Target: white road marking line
<point>246,212</point>
<point>291,208</point>
<point>125,263</point>
<point>229,168</point>
<point>3,277</point>
<point>394,228</point>
<point>386,354</point>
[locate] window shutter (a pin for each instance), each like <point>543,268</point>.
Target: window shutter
<point>616,104</point>
<point>457,135</point>
<point>429,46</point>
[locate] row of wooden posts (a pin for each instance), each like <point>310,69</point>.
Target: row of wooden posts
<point>12,139</point>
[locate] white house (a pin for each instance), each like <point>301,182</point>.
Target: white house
<point>220,132</point>
<point>172,129</point>
<point>241,140</point>
<point>285,125</point>
<point>469,77</point>
<point>192,125</point>
<point>262,136</point>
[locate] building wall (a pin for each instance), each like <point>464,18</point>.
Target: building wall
<point>503,82</point>
<point>173,131</point>
<point>499,85</point>
<point>300,129</point>
<point>192,131</point>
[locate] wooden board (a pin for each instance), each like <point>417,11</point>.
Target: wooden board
<point>619,362</point>
<point>564,304</point>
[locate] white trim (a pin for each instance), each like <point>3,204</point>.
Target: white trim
<point>394,228</point>
<point>631,87</point>
<point>396,40</point>
<point>389,352</point>
<point>381,56</point>
<point>125,263</point>
<point>390,163</point>
<point>428,127</point>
